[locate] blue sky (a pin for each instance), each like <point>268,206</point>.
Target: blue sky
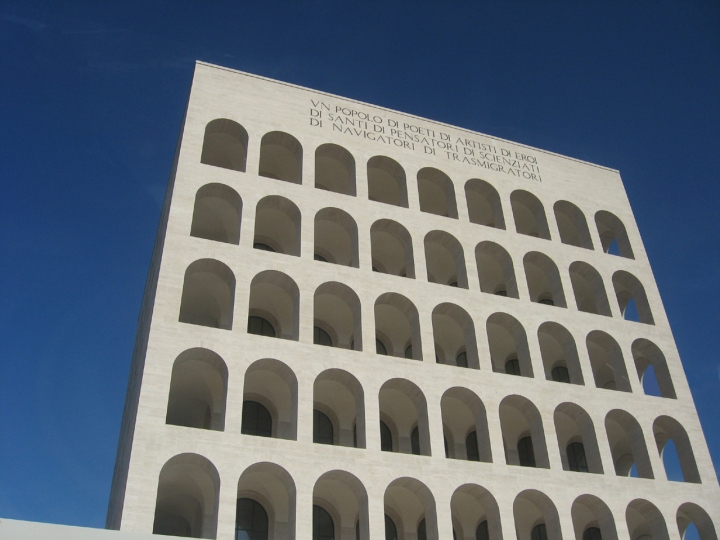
<point>92,98</point>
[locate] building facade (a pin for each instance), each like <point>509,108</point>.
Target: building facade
<point>363,324</point>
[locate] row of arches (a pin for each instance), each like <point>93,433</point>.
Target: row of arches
<point>225,145</point>
<point>187,505</point>
<point>198,389</point>
<point>217,214</point>
<point>274,304</point>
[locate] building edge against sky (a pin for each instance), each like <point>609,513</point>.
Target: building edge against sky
<point>437,263</point>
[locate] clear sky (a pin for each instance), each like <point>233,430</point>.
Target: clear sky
<point>91,102</point>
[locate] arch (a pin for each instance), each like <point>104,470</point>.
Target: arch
<point>520,419</point>
<point>644,520</point>
<point>272,487</point>
<point>627,444</point>
<point>607,362</point>
<point>691,513</point>
<point>408,502</point>
<point>507,341</point>
<point>472,505</point>
<point>208,294</point>
<point>464,417</point>
<point>666,428</point>
<point>445,260</point>
<point>543,279</point>
<point>344,497</point>
<point>484,207</point>
<point>225,145</point>
<point>529,214</point>
<point>275,297</point>
<point>187,497</point>
<point>574,426</point>
<point>386,181</point>
<point>216,214</point>
<point>612,231</point>
<point>392,250</point>
<point>589,511</point>
<point>436,192</point>
<point>403,408</point>
<point>337,312</point>
<point>628,288</point>
<point>335,169</point>
<point>558,351</point>
<point>646,354</point>
<point>572,225</point>
<point>273,385</point>
<point>532,508</point>
<point>397,326</point>
<point>281,157</point>
<point>454,333</point>
<point>589,289</point>
<point>198,390</point>
<point>277,225</point>
<point>339,395</point>
<point>495,270</point>
<point>336,237</point>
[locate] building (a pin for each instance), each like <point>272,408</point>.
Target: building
<point>363,324</point>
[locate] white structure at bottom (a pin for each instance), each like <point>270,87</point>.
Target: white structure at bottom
<point>363,324</point>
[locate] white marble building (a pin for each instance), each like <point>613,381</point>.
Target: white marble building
<point>363,324</point>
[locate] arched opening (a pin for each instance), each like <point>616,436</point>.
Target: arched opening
<point>613,236</point>
<point>592,519</point>
<point>559,354</point>
<point>281,157</point>
<point>335,169</point>
<point>445,260</point>
<point>454,334</point>
<point>397,327</point>
<point>508,344</point>
<point>484,207</point>
<point>572,225</point>
<point>543,279</point>
<point>649,359</point>
<point>629,290</point>
<point>523,433</point>
<point>270,396</point>
<point>216,214</point>
<point>645,521</point>
<point>392,250</point>
<point>187,498</point>
<point>336,237</point>
<point>627,445</point>
<point>465,426</point>
<point>403,410</point>
<point>208,295</point>
<point>536,517</point>
<point>691,514</point>
<point>339,396</point>
<point>386,181</point>
<point>607,362</point>
<point>410,507</point>
<point>225,145</point>
<point>589,289</point>
<point>577,440</point>
<point>529,215</point>
<point>495,270</point>
<point>271,488</point>
<point>274,298</point>
<point>337,316</point>
<point>277,226</point>
<point>343,507</point>
<point>475,514</point>
<point>198,388</point>
<point>668,429</point>
<point>437,193</point>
